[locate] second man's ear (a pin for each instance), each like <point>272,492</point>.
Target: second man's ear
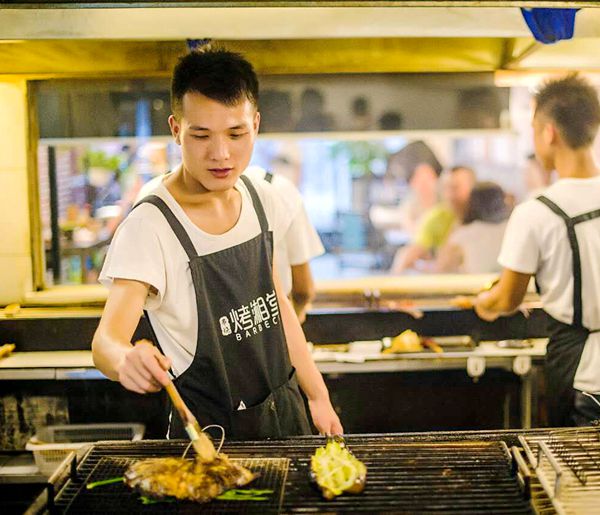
<point>550,133</point>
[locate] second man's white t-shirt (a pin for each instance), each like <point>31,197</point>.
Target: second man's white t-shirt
<point>536,242</point>
<point>301,242</point>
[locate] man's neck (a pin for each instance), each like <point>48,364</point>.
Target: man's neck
<point>189,191</point>
<point>576,164</point>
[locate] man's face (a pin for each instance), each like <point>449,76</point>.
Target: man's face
<point>458,189</point>
<point>424,180</point>
<point>542,139</point>
<point>216,139</point>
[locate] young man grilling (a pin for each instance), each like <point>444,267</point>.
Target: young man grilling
<point>197,255</point>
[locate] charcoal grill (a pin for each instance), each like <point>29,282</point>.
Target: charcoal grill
<point>404,476</point>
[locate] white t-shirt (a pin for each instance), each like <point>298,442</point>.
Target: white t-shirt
<point>480,243</point>
<point>301,242</point>
<point>536,242</point>
<point>145,248</point>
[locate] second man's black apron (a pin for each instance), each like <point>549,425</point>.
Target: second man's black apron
<point>241,376</point>
<point>567,341</point>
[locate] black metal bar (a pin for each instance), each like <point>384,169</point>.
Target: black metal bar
<point>54,214</point>
<point>338,326</point>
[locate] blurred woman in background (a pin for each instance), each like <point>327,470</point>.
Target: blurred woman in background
<point>473,248</point>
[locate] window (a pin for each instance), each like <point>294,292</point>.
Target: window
<point>102,140</point>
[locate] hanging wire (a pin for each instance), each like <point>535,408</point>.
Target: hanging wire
<point>203,430</point>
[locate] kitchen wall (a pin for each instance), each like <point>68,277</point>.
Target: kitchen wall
<point>15,251</point>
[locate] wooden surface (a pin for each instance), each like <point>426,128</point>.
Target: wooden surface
<point>94,296</point>
<point>417,285</point>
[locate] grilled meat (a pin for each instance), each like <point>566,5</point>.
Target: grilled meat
<point>186,479</point>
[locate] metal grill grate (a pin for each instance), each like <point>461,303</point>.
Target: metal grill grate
<point>118,498</point>
<point>421,478</point>
<point>403,477</point>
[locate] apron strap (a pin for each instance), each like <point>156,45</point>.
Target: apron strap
<point>572,235</point>
<point>175,224</point>
<point>586,217</point>
<point>258,206</point>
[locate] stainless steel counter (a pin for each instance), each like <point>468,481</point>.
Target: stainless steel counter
<point>78,365</point>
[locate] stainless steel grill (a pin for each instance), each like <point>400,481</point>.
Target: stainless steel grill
<point>567,464</point>
<point>403,476</point>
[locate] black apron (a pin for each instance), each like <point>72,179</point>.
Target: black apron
<point>241,376</point>
<point>567,341</point>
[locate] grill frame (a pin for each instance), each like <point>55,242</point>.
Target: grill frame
<point>389,482</point>
<point>566,462</point>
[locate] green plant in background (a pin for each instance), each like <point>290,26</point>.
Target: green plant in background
<point>361,155</point>
<point>100,159</point>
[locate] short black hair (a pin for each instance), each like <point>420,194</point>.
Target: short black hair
<point>486,203</point>
<point>390,121</point>
<point>216,73</point>
<point>360,106</point>
<point>572,103</point>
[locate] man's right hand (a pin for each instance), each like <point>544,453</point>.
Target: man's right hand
<point>143,368</point>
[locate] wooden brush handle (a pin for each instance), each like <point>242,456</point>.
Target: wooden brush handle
<point>178,403</point>
<point>202,444</point>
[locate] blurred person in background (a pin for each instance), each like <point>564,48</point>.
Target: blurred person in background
<point>313,117</point>
<point>473,248</point>
<point>390,121</point>
<point>362,120</point>
<point>439,222</point>
<point>419,167</point>
<point>300,244</point>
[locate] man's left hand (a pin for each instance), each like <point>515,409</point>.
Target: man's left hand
<point>325,418</point>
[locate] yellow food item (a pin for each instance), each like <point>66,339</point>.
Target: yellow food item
<point>407,341</point>
<point>6,349</point>
<point>336,470</point>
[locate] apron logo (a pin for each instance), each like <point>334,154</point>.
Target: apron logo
<point>248,320</point>
<point>225,327</point>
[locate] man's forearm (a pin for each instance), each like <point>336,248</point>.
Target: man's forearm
<point>108,353</point>
<point>406,257</point>
<point>505,297</point>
